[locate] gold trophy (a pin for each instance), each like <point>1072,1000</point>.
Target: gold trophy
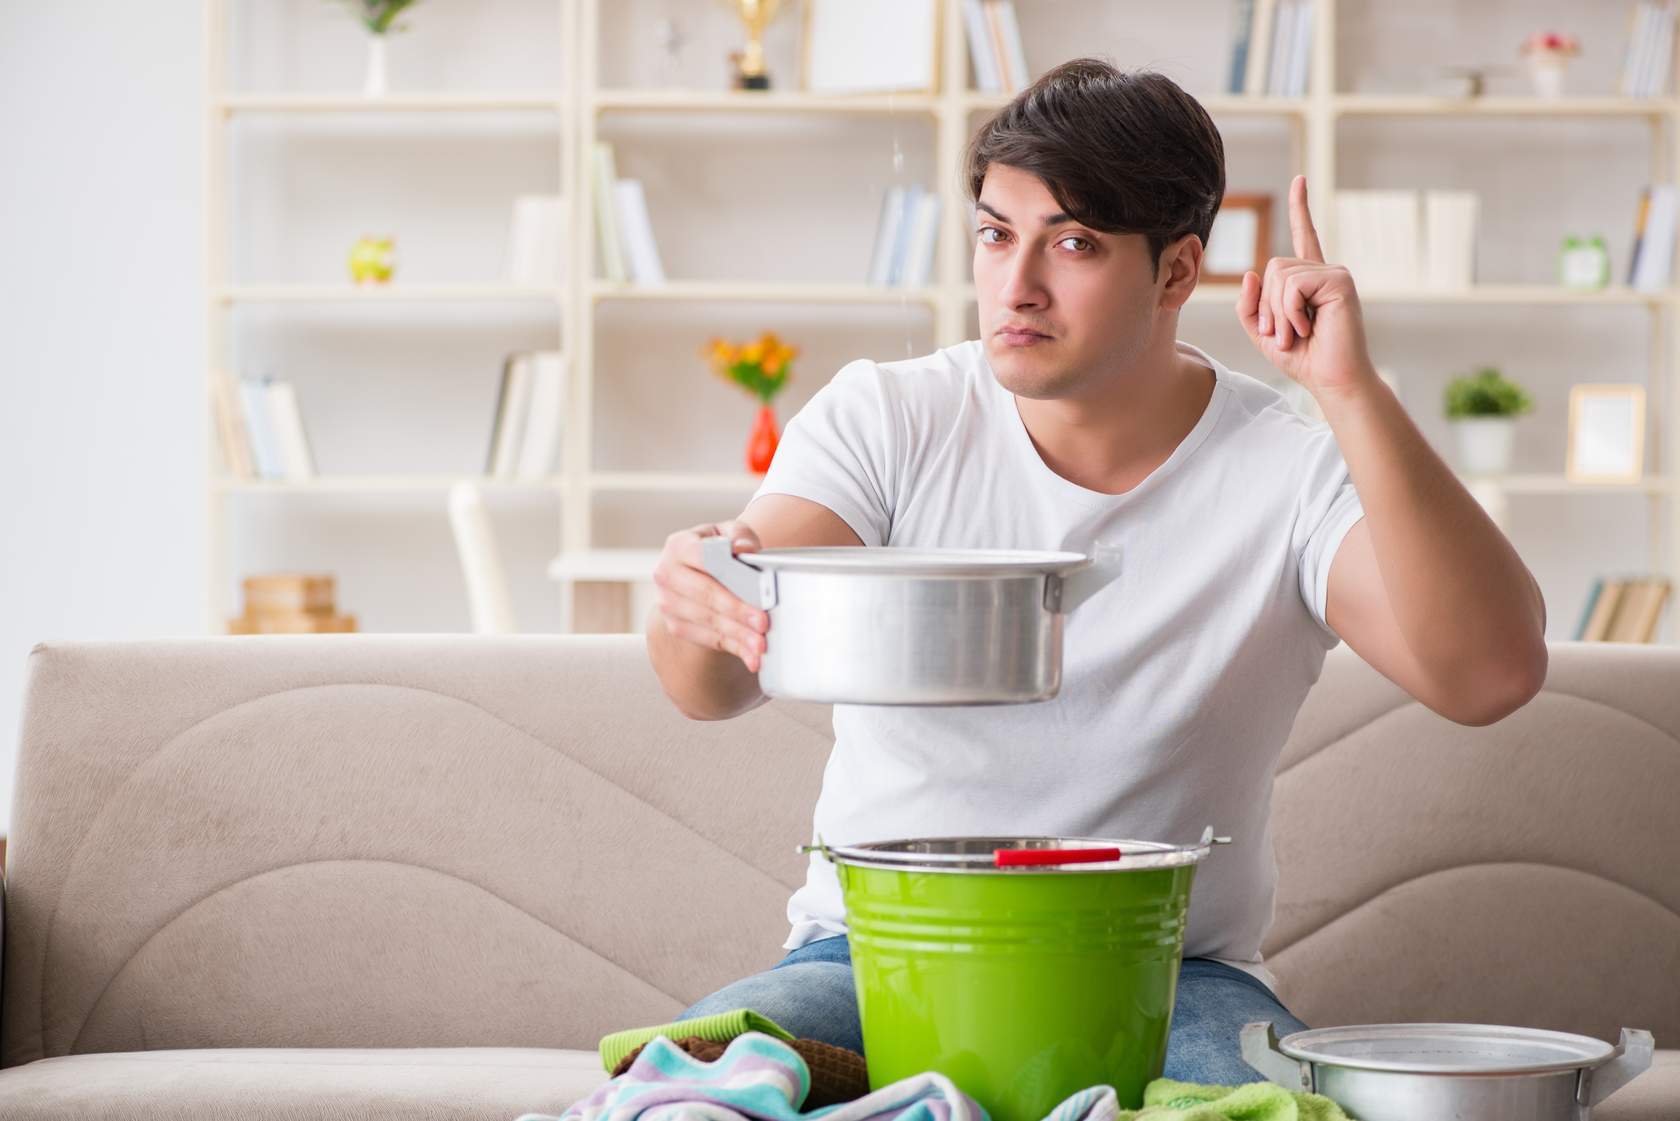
<point>756,14</point>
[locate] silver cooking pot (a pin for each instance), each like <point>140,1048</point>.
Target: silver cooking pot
<point>1450,1072</point>
<point>891,626</point>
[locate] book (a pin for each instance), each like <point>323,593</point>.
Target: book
<point>541,438</point>
<point>536,239</point>
<point>606,213</point>
<point>886,234</point>
<point>1300,64</point>
<point>1242,24</point>
<point>1009,28</point>
<point>636,232</point>
<point>1587,611</point>
<point>1449,224</point>
<point>1635,619</point>
<point>1651,610</point>
<point>981,59</point>
<point>1260,46</point>
<point>265,446</point>
<point>481,564</point>
<point>994,37</point>
<point>513,408</point>
<point>901,242</point>
<point>230,426</point>
<point>296,458</point>
<point>1604,610</point>
<point>292,624</point>
<point>1283,39</point>
<point>1642,217</point>
<point>1656,243</point>
<point>1639,23</point>
<point>921,241</point>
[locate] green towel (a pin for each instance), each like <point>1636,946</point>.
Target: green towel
<point>719,1028</point>
<point>1166,1100</point>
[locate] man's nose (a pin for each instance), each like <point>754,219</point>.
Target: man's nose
<point>1021,285</point>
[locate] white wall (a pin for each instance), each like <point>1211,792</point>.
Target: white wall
<point>102,440</point>
<point>102,433</point>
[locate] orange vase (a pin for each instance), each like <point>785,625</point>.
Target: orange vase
<point>761,447</point>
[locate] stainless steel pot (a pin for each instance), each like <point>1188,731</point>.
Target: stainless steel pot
<point>893,626</point>
<point>1450,1072</point>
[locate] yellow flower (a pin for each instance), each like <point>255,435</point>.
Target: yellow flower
<point>754,352</point>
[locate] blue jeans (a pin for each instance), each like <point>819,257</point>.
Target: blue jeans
<point>810,993</point>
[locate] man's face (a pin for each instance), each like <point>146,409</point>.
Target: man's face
<point>1089,294</point>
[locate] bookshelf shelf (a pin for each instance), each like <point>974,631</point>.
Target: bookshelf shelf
<point>370,484</point>
<point>254,103</point>
<point>727,101</point>
<point>381,294</point>
<point>585,107</point>
<point>768,293</point>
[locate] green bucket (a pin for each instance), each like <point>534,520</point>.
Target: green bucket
<point>1023,968</point>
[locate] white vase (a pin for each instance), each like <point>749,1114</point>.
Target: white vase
<point>1484,444</point>
<point>374,84</point>
<point>1545,69</point>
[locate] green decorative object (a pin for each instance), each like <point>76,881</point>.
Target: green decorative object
<point>1583,263</point>
<point>378,16</point>
<point>1485,393</point>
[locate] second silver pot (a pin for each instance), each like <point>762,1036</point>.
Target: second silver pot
<point>911,626</point>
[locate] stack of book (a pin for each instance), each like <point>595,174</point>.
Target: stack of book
<point>536,249</point>
<point>1652,258</point>
<point>625,234</point>
<point>259,429</point>
<point>1650,50</point>
<point>1403,239</point>
<point>905,237</point>
<point>994,46</point>
<point>1623,609</point>
<point>1271,47</point>
<point>290,603</point>
<point>530,403</point>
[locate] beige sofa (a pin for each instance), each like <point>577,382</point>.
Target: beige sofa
<point>419,876</point>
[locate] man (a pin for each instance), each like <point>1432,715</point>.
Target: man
<point>1250,538</point>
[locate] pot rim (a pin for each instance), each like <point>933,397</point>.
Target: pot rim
<point>892,560</point>
<point>1574,1052</point>
<point>977,856</point>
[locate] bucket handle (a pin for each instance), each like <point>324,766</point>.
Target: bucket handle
<point>1007,858</point>
<point>1630,1059</point>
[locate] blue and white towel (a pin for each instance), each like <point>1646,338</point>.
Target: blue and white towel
<point>759,1078</point>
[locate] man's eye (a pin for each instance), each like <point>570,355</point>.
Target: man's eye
<point>1087,244</point>
<point>984,230</point>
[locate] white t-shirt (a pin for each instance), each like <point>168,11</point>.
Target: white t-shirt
<point>1180,680</point>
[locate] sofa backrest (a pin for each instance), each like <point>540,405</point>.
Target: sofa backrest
<point>386,841</point>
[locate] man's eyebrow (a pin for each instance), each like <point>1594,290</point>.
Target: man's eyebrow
<point>1048,220</point>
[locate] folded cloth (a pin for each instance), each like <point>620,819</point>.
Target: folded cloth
<point>838,1074</point>
<point>1166,1100</point>
<point>757,1078</point>
<point>722,1027</point>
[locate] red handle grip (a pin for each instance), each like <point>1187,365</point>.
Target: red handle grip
<point>1004,858</point>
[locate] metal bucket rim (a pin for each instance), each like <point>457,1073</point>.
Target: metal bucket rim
<point>1135,855</point>
<point>889,560</point>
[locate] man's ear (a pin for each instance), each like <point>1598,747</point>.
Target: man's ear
<point>1181,268</point>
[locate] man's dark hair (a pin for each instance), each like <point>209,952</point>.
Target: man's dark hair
<point>1120,151</point>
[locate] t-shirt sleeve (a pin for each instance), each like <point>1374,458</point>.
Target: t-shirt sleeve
<point>1329,508</point>
<point>840,450</point>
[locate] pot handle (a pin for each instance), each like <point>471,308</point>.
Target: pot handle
<point>1630,1059</point>
<point>1259,1050</point>
<point>752,585</point>
<point>1076,587</point>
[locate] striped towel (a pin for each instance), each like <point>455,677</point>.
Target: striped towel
<point>760,1078</point>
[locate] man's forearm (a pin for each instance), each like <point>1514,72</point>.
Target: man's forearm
<point>704,684</point>
<point>1469,608</point>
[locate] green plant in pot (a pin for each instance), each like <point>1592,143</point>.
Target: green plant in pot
<point>1484,407</point>
<point>380,19</point>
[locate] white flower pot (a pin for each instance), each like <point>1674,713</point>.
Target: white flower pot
<point>374,84</point>
<point>1484,444</point>
<point>1546,71</point>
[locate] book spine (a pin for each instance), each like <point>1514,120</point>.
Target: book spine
<point>606,215</point>
<point>252,394</point>
<point>1259,46</point>
<point>994,33</point>
<point>514,417</point>
<point>980,58</point>
<point>542,430</point>
<point>1242,24</point>
<point>1014,50</point>
<point>288,429</point>
<point>886,233</point>
<point>637,231</point>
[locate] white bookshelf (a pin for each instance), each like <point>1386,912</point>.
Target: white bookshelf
<point>580,106</point>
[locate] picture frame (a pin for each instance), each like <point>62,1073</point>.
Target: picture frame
<point>870,46</point>
<point>1606,434</point>
<point>1240,239</point>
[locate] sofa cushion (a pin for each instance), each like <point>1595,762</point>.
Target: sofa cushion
<point>414,1084</point>
<point>258,1084</point>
